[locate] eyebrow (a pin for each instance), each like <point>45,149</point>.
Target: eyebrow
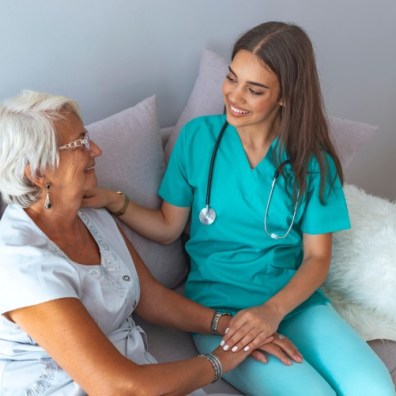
<point>80,136</point>
<point>249,82</point>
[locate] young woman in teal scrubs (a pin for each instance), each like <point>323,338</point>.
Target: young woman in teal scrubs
<point>276,188</point>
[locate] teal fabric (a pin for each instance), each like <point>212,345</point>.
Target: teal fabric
<point>336,361</point>
<point>234,263</point>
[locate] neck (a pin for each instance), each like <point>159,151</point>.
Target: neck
<point>259,135</point>
<point>54,221</point>
<point>256,140</point>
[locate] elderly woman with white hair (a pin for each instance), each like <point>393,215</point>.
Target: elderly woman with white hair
<point>70,280</point>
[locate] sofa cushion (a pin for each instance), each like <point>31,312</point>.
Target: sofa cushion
<point>386,350</point>
<point>206,98</point>
<point>133,162</point>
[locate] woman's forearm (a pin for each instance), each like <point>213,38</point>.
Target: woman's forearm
<point>308,278</point>
<point>181,313</point>
<point>162,225</point>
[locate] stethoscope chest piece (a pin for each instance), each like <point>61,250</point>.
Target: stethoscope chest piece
<point>207,215</point>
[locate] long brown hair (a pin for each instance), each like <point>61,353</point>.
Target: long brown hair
<point>304,133</point>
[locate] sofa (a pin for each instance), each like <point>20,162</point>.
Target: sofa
<point>135,152</point>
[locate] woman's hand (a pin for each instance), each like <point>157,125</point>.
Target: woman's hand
<point>102,198</point>
<point>280,347</point>
<point>251,327</point>
<point>230,360</point>
<point>277,345</point>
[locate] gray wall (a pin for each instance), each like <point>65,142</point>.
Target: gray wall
<point>110,54</point>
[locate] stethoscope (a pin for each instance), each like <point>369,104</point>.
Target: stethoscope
<point>207,215</point>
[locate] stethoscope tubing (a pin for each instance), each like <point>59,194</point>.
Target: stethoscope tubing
<point>212,162</point>
<point>208,215</point>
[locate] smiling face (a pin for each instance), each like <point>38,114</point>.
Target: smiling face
<point>251,94</point>
<point>76,170</point>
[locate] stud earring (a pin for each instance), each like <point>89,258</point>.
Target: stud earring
<point>47,203</point>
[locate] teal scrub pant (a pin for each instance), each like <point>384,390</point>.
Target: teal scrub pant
<point>336,361</point>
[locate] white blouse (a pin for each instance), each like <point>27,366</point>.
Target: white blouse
<point>34,270</point>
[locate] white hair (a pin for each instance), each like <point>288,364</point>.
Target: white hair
<point>28,138</point>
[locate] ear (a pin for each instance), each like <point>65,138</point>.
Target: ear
<point>38,180</point>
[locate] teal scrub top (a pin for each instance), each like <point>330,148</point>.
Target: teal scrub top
<point>234,263</point>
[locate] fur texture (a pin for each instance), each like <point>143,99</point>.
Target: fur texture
<point>362,278</point>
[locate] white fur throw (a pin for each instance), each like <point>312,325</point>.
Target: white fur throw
<point>362,278</point>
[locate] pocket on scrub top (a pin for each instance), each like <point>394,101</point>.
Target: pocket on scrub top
<point>282,263</point>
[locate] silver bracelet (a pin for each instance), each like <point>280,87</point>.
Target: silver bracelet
<point>216,364</point>
<point>214,324</point>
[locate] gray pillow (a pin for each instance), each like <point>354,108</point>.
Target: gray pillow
<point>133,162</point>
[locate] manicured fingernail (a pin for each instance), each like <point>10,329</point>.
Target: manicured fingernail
<point>226,347</point>
<point>246,348</point>
<point>234,349</point>
<point>226,330</point>
<point>222,343</point>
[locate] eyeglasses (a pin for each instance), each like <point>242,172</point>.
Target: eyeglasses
<point>84,143</point>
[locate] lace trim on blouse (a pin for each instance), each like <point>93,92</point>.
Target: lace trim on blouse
<point>110,261</point>
<point>49,369</point>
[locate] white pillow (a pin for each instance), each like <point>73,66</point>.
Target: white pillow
<point>362,278</point>
<point>133,162</point>
<point>206,98</point>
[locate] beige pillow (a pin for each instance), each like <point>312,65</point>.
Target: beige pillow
<point>133,162</point>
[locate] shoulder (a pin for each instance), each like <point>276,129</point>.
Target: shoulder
<point>38,271</point>
<point>328,162</point>
<point>206,120</point>
<point>204,126</point>
<point>18,230</point>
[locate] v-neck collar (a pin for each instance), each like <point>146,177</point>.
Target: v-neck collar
<point>245,164</point>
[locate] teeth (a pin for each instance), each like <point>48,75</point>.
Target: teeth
<point>238,111</point>
<point>90,168</point>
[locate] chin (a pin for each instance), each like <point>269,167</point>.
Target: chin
<point>237,121</point>
<point>91,182</point>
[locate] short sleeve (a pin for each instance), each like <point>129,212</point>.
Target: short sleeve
<point>175,188</point>
<point>331,215</point>
<point>30,276</point>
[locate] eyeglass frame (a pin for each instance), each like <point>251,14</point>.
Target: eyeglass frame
<point>77,143</point>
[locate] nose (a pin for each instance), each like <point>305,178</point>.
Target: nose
<point>94,149</point>
<point>236,94</point>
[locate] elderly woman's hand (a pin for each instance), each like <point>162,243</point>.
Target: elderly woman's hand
<point>280,347</point>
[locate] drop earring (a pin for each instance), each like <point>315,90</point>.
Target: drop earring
<point>47,203</point>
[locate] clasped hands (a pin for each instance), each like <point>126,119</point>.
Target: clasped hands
<point>255,329</point>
